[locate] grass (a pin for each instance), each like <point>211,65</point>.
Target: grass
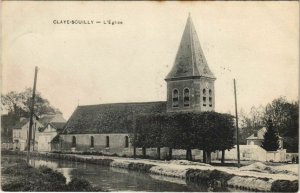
<point>17,175</point>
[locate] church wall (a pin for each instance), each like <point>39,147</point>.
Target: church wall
<point>83,143</point>
<point>117,145</point>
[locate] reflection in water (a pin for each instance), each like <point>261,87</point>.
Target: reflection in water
<point>117,179</point>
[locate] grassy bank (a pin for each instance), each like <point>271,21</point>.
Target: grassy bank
<point>17,175</point>
<point>200,173</point>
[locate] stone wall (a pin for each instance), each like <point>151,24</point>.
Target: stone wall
<point>247,152</point>
<point>289,156</point>
<point>276,156</point>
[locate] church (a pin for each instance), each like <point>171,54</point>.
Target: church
<point>106,127</point>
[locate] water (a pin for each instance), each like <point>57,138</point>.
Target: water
<point>115,179</point>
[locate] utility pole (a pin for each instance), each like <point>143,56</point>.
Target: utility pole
<point>31,115</point>
<point>237,125</point>
<point>134,136</point>
<point>34,130</point>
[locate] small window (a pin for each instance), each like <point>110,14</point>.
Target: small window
<point>126,141</point>
<point>92,141</point>
<point>209,92</point>
<point>186,97</point>
<point>107,141</point>
<point>210,101</point>
<point>73,141</point>
<point>175,98</point>
<point>204,101</point>
<point>204,92</point>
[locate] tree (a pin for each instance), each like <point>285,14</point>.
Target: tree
<point>215,132</point>
<point>270,142</point>
<point>208,131</point>
<point>18,104</point>
<point>251,122</point>
<point>285,118</point>
<point>179,132</point>
<point>149,135</point>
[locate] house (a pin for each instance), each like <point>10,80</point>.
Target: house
<point>258,137</point>
<point>47,134</point>
<point>7,123</point>
<point>52,126</point>
<point>107,127</point>
<point>20,131</point>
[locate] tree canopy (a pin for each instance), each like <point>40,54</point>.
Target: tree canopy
<point>208,131</point>
<point>284,116</point>
<point>18,104</point>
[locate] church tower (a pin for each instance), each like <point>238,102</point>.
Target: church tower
<point>190,83</point>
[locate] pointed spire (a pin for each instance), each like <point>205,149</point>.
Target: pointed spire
<point>190,60</point>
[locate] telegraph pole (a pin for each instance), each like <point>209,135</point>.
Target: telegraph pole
<point>134,136</point>
<point>31,114</point>
<point>237,125</point>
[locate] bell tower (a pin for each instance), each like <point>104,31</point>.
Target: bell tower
<point>190,83</point>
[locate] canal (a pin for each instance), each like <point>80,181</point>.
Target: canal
<point>116,179</point>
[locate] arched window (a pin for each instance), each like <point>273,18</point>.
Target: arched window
<point>73,141</point>
<point>92,141</point>
<point>107,141</point>
<point>204,92</point>
<point>175,98</point>
<point>186,97</point>
<point>210,101</point>
<point>209,92</point>
<point>126,141</point>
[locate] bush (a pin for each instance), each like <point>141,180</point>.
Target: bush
<point>221,176</point>
<point>19,169</point>
<point>23,177</point>
<point>52,176</point>
<point>284,186</point>
<point>79,185</point>
<point>140,167</point>
<point>208,176</point>
<point>202,175</point>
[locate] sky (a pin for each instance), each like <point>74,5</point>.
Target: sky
<point>257,43</point>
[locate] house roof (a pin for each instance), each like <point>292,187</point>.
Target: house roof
<point>109,118</point>
<point>190,60</point>
<point>8,121</point>
<point>21,123</point>
<point>51,118</point>
<point>260,135</point>
<point>55,139</point>
<point>57,125</point>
